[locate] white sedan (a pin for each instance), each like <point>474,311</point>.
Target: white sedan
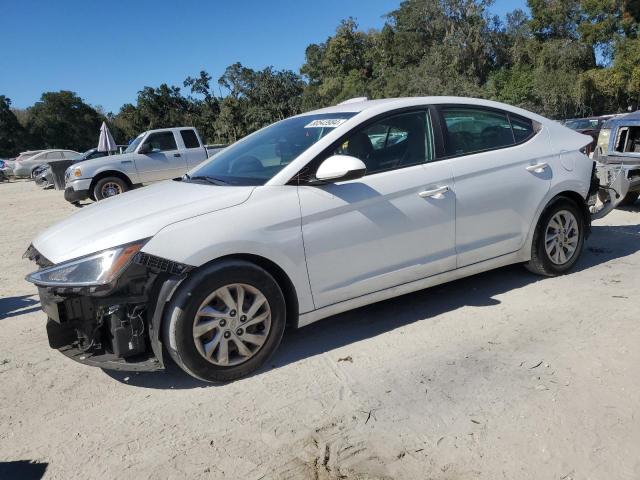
<point>309,217</point>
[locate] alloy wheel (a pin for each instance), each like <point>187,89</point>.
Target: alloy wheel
<point>232,324</point>
<point>561,237</point>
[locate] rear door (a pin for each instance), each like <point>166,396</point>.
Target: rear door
<point>164,161</point>
<point>194,152</point>
<point>501,173</point>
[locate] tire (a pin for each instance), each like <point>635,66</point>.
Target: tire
<point>202,356</point>
<point>108,187</point>
<point>629,199</point>
<point>565,248</point>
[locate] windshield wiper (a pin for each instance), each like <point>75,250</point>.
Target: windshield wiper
<point>206,178</point>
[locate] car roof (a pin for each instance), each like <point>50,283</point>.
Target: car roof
<point>358,105</point>
<point>622,119</point>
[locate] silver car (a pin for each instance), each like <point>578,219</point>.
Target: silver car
<point>28,161</point>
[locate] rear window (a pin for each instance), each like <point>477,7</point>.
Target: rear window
<point>190,139</point>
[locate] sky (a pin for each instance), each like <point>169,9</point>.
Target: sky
<point>108,51</point>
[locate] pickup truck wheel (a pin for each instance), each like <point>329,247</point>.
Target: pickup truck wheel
<point>226,324</point>
<point>558,239</point>
<point>108,187</point>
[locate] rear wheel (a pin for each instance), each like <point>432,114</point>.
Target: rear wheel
<point>558,239</point>
<point>108,187</point>
<point>224,325</point>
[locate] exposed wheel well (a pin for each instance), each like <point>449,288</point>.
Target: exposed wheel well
<point>109,173</point>
<point>283,280</point>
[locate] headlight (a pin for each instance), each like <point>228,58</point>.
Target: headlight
<point>76,172</point>
<point>97,269</point>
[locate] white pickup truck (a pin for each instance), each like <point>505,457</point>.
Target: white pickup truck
<point>154,155</point>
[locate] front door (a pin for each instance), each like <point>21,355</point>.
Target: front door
<point>163,162</point>
<point>393,226</point>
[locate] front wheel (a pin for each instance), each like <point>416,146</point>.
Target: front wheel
<point>109,187</point>
<point>225,324</point>
<point>558,239</point>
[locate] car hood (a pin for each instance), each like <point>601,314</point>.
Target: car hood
<point>133,216</point>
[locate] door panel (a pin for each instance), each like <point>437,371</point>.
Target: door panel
<point>164,162</point>
<point>377,232</point>
<point>497,195</point>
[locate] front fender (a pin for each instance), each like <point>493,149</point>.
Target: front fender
<point>267,225</point>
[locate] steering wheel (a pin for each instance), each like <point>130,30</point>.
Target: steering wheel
<point>247,163</point>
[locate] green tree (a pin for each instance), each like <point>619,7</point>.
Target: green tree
<point>12,134</point>
<point>63,120</point>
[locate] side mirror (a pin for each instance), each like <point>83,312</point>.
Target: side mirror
<point>144,148</point>
<point>340,168</point>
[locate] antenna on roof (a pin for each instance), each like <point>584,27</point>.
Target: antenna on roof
<point>354,100</point>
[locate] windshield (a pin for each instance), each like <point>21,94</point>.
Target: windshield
<point>133,145</point>
<point>82,156</point>
<point>582,124</point>
<point>259,158</point>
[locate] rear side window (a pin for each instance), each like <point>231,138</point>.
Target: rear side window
<point>470,130</point>
<point>523,128</point>
<point>162,141</point>
<point>190,139</point>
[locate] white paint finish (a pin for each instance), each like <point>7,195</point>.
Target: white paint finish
<point>497,197</point>
<point>133,216</point>
<point>408,287</point>
<point>364,240</point>
<point>376,232</point>
<point>266,225</point>
<point>338,166</point>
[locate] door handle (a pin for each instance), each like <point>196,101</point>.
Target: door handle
<point>434,193</point>
<point>125,161</point>
<point>538,168</point>
<point>177,155</point>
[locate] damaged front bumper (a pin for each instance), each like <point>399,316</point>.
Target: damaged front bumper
<point>118,326</point>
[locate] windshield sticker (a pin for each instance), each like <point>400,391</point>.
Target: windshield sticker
<point>326,123</point>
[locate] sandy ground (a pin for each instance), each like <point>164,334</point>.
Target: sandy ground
<point>501,375</point>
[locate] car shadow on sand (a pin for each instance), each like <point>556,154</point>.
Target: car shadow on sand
<point>23,470</point>
<point>606,243</point>
<point>19,305</point>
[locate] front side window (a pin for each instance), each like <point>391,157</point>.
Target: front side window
<point>258,158</point>
<point>161,142</point>
<point>470,130</point>
<point>397,141</point>
<point>190,139</point>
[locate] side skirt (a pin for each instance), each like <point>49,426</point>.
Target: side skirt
<point>324,312</point>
